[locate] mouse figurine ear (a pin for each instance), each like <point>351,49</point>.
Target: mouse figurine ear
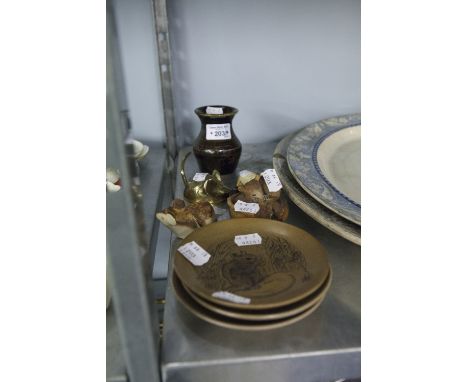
<point>215,188</point>
<point>216,175</point>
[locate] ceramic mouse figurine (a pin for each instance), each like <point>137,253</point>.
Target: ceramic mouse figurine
<point>183,219</point>
<point>211,189</point>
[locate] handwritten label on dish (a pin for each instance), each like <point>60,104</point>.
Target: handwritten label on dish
<point>251,208</point>
<point>251,239</point>
<point>218,131</point>
<point>228,296</point>
<point>200,176</point>
<point>271,179</point>
<point>214,110</point>
<point>194,253</point>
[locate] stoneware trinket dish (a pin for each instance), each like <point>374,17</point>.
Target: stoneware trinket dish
<point>287,265</point>
<point>224,321</point>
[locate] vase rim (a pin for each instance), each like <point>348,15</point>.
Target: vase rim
<point>227,111</point>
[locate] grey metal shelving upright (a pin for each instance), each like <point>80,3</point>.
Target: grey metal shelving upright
<point>133,325</point>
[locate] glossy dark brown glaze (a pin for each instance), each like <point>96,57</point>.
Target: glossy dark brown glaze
<point>221,155</point>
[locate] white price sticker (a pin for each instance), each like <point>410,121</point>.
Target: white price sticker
<point>271,179</point>
<point>200,176</point>
<point>251,208</point>
<point>228,296</point>
<point>251,239</point>
<point>218,131</point>
<point>214,110</point>
<point>194,253</point>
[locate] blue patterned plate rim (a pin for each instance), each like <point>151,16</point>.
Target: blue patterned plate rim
<point>316,210</point>
<point>303,169</point>
<point>319,170</point>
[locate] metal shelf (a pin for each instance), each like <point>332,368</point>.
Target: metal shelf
<point>152,170</point>
<point>132,340</point>
<point>323,347</point>
<point>115,363</point>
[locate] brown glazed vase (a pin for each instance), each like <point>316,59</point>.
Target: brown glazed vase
<point>217,146</point>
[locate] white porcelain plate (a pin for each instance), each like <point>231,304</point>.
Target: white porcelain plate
<point>325,159</point>
<point>338,158</point>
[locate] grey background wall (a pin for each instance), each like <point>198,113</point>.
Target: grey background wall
<point>283,64</point>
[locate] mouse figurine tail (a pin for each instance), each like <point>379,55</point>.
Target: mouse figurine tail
<point>182,169</point>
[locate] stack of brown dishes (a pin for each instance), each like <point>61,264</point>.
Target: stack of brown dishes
<point>251,274</point>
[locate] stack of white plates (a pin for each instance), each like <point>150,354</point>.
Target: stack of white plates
<point>320,169</point>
